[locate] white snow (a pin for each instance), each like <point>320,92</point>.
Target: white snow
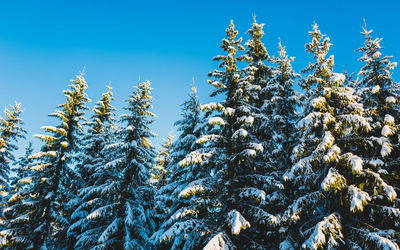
<point>216,121</point>
<point>192,188</point>
<point>333,180</point>
<point>386,149</point>
<point>249,152</point>
<point>40,167</point>
<point>337,78</point>
<point>387,131</point>
<point>333,154</point>
<point>240,133</point>
<point>253,193</point>
<point>42,154</point>
<point>375,89</point>
<point>356,164</point>
<point>327,234</point>
<point>237,222</point>
<point>327,141</point>
<point>212,106</point>
<point>358,198</point>
<point>382,242</point>
<point>25,180</point>
<point>390,100</point>
<point>376,162</point>
<point>318,102</point>
<point>247,119</point>
<point>229,111</point>
<point>390,192</point>
<point>220,241</point>
<point>389,119</point>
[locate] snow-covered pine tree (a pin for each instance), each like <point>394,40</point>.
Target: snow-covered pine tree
<point>21,170</point>
<point>380,96</point>
<point>10,132</point>
<point>278,112</point>
<point>121,216</point>
<point>275,127</point>
<point>159,171</point>
<point>379,152</point>
<point>177,227</point>
<point>40,219</point>
<point>258,56</point>
<point>225,193</point>
<point>101,131</point>
<point>21,166</point>
<point>331,187</point>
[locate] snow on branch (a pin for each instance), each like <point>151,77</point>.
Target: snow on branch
<point>237,222</point>
<point>327,234</point>
<point>220,241</point>
<point>358,198</point>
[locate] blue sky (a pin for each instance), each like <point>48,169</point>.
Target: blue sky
<point>44,44</point>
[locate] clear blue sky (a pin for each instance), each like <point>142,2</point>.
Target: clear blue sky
<point>44,44</point>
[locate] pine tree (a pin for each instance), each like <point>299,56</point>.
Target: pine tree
<point>122,200</point>
<point>40,219</point>
<point>380,96</point>
<point>332,188</point>
<point>275,128</point>
<point>10,132</point>
<point>225,190</point>
<point>279,111</point>
<point>159,171</point>
<point>101,131</point>
<point>173,232</point>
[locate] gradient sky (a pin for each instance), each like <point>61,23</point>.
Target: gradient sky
<point>44,44</point>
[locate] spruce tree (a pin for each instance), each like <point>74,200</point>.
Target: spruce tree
<point>122,202</point>
<point>331,186</point>
<point>40,220</point>
<point>159,171</point>
<point>177,223</point>
<point>101,132</point>
<point>225,196</point>
<point>10,132</point>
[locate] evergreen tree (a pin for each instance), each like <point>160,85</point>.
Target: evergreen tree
<point>276,131</point>
<point>173,232</point>
<point>331,186</point>
<point>101,132</point>
<point>380,96</point>
<point>279,111</point>
<point>225,190</point>
<point>21,168</point>
<point>159,171</point>
<point>10,132</point>
<point>123,200</point>
<point>40,220</point>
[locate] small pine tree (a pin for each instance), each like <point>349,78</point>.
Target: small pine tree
<point>159,171</point>
<point>122,199</point>
<point>40,220</point>
<point>10,132</point>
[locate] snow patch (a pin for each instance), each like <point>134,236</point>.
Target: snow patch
<point>237,222</point>
<point>220,241</point>
<point>358,199</point>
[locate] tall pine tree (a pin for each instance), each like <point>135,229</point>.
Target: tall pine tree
<point>177,223</point>
<point>40,219</point>
<point>101,132</point>
<point>332,188</point>
<point>122,201</point>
